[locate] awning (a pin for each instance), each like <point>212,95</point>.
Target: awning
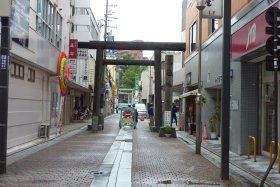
<point>79,87</point>
<point>190,93</point>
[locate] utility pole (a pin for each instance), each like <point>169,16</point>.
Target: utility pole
<point>200,6</point>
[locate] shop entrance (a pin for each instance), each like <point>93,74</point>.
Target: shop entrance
<point>269,116</point>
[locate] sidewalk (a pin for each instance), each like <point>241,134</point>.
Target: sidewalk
<point>239,165</point>
<point>53,134</point>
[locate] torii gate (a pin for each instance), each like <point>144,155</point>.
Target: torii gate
<point>157,47</point>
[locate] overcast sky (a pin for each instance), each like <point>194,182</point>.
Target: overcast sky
<point>148,20</point>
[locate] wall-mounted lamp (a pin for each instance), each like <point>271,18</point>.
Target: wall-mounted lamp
<point>231,73</point>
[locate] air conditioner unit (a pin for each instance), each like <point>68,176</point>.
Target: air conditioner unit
<point>44,131</point>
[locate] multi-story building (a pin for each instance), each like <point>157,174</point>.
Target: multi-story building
<point>251,94</point>
<point>39,33</point>
<point>84,28</point>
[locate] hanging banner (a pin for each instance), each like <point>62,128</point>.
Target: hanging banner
<point>73,48</point>
<point>20,21</point>
<point>60,116</point>
<point>213,9</point>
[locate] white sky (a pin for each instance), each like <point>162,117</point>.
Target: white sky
<point>148,20</point>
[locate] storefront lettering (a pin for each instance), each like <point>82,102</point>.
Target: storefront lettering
<point>252,34</point>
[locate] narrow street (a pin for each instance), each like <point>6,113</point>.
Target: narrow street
<point>75,158</point>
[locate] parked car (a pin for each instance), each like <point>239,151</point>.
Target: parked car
<point>141,109</point>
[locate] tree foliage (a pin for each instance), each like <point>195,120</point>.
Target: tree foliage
<point>128,76</point>
<point>129,73</point>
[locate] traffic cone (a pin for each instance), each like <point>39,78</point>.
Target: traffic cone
<point>204,133</point>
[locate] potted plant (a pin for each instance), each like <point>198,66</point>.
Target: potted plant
<point>167,130</point>
<point>213,121</point>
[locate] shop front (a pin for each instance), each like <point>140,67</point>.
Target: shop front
<point>188,103</point>
<point>256,85</point>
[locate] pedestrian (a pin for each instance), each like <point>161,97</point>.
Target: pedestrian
<point>173,114</point>
<point>136,114</point>
<point>151,114</point>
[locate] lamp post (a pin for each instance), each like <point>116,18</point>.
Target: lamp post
<point>200,6</point>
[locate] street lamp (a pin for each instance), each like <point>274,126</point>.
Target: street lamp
<point>200,6</point>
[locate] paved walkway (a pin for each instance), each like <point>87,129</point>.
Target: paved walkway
<point>72,159</point>
<point>240,166</point>
<point>122,158</point>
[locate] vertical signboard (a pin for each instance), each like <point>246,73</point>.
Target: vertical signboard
<point>20,22</point>
<point>73,48</point>
<point>167,117</point>
<point>213,9</point>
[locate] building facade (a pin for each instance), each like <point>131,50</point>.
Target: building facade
<point>39,32</point>
<point>251,101</point>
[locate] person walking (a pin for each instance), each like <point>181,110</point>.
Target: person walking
<point>151,115</point>
<point>173,114</point>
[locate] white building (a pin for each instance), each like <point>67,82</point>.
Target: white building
<point>83,28</point>
<point>40,31</point>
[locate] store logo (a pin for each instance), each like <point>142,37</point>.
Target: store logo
<point>252,34</point>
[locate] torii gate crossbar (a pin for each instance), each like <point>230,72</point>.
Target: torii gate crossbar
<point>157,47</point>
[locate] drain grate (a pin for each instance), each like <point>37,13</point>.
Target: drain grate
<point>164,182</point>
<point>201,183</point>
<point>96,172</point>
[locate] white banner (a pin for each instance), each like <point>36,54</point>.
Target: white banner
<point>60,115</point>
<point>167,117</point>
<point>213,9</point>
<point>73,66</point>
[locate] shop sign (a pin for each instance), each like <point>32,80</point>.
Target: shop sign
<point>213,9</point>
<point>82,53</point>
<point>249,37</point>
<point>73,47</point>
<point>73,66</point>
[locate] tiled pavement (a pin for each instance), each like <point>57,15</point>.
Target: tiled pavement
<point>155,160</point>
<point>251,170</point>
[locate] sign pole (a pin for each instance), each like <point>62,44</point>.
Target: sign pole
<point>4,88</point>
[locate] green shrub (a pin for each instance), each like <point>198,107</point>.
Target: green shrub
<point>167,129</point>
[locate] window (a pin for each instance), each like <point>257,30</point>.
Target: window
<point>17,70</point>
<point>214,25</point>
<point>193,36</point>
<point>49,22</point>
<point>31,75</point>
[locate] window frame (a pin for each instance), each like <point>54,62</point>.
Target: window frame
<point>193,36</point>
<point>17,70</point>
<point>31,75</point>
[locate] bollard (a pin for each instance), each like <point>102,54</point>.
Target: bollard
<point>270,154</point>
<point>255,147</point>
